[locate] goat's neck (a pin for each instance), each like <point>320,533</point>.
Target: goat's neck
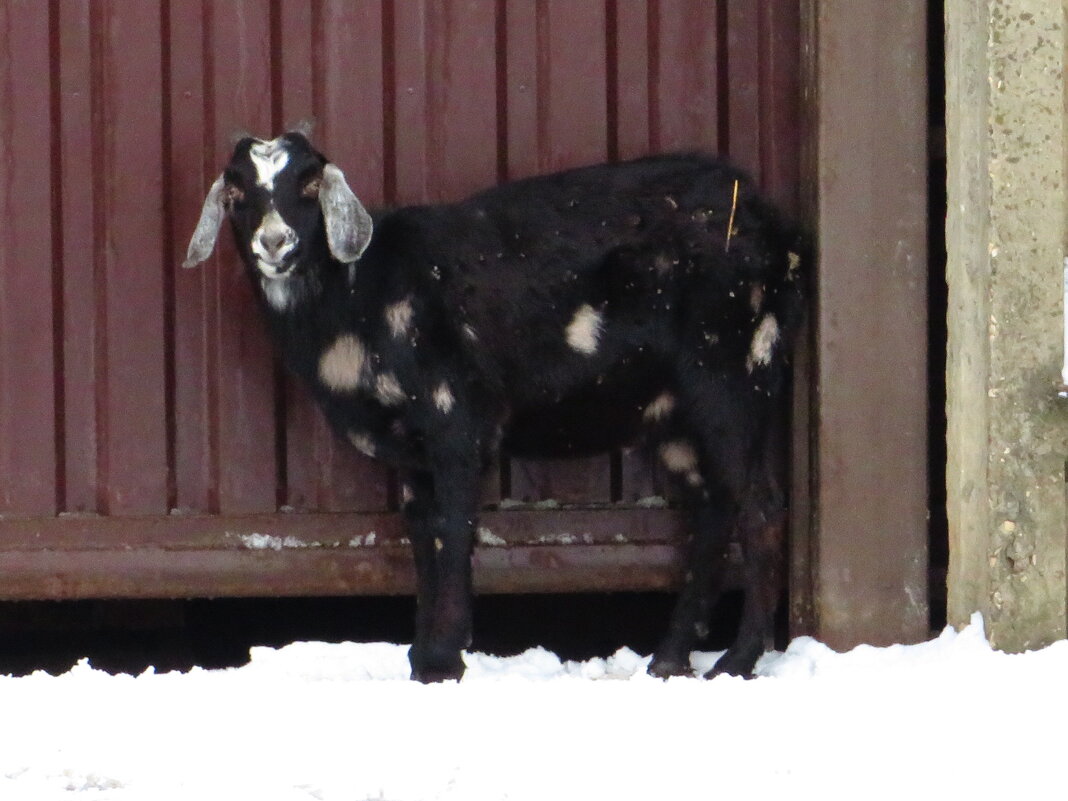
<point>323,300</point>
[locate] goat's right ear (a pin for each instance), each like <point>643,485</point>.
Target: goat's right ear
<point>348,225</point>
<point>207,230</point>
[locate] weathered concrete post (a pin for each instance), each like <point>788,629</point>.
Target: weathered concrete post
<point>1006,244</point>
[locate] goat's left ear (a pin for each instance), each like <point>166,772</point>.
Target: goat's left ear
<point>348,225</point>
<point>207,230</point>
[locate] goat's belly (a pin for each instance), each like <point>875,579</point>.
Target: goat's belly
<point>581,425</point>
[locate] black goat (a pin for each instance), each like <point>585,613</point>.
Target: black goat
<point>568,314</point>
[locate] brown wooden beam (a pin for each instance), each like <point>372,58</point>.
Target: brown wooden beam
<point>866,96</point>
<point>329,554</point>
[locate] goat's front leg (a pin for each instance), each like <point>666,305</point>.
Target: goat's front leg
<point>441,524</point>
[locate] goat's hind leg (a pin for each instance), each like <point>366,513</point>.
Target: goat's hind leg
<point>761,523</point>
<point>738,452</point>
<point>763,541</point>
<point>711,523</point>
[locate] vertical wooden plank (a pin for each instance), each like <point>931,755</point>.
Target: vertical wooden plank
<point>780,103</point>
<point>565,481</point>
<point>565,43</point>
<point>572,102</point>
<point>461,97</point>
<point>349,106</point>
<point>293,64</point>
<point>350,97</point>
<point>306,438</point>
<point>642,478</point>
<point>243,372</point>
<point>411,170</point>
<point>331,70</point>
<point>78,199</point>
<point>521,88</point>
<point>871,181</point>
<point>462,111</point>
<point>133,451</point>
<point>638,476</point>
<point>27,398</point>
<point>744,128</point>
<point>193,167</point>
<point>632,78</point>
<point>446,126</point>
<point>685,94</point>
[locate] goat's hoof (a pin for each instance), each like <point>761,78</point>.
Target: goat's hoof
<point>729,665</point>
<point>436,675</point>
<point>428,670</point>
<point>665,668</point>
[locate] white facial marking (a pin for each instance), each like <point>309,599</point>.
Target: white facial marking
<point>363,443</point>
<point>399,317</point>
<point>660,407</point>
<point>764,339</point>
<point>584,330</point>
<point>342,365</point>
<point>271,242</point>
<point>443,398</point>
<point>388,389</point>
<point>679,456</point>
<point>276,291</point>
<point>269,159</point>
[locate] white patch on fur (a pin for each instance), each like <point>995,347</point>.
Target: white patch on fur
<point>407,496</point>
<point>388,390</point>
<point>693,478</point>
<point>363,443</point>
<point>679,456</point>
<point>276,290</point>
<point>269,159</point>
<point>342,365</point>
<point>756,296</point>
<point>584,331</point>
<point>399,317</point>
<point>764,339</point>
<point>470,332</point>
<point>660,407</point>
<point>793,262</point>
<point>443,398</point>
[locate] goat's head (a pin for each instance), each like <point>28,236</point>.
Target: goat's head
<point>282,197</point>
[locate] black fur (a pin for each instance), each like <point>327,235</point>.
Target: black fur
<point>494,282</point>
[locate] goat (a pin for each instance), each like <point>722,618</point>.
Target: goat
<point>652,300</point>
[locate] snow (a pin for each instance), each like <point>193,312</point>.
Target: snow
<point>947,718</point>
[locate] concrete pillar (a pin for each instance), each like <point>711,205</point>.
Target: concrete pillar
<point>1007,438</point>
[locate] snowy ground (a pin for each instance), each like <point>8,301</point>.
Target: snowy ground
<point>949,718</point>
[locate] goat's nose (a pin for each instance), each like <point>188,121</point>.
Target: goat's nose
<point>273,241</point>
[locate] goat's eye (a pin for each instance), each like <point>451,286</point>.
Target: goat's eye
<point>311,187</point>
<point>232,195</point>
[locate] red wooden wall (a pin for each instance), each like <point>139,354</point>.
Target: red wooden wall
<point>141,411</point>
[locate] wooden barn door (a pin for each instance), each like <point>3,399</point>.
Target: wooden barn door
<point>149,446</point>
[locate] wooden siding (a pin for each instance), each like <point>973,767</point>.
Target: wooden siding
<point>143,419</point>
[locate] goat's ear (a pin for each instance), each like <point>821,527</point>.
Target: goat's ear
<point>348,225</point>
<point>207,231</point>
